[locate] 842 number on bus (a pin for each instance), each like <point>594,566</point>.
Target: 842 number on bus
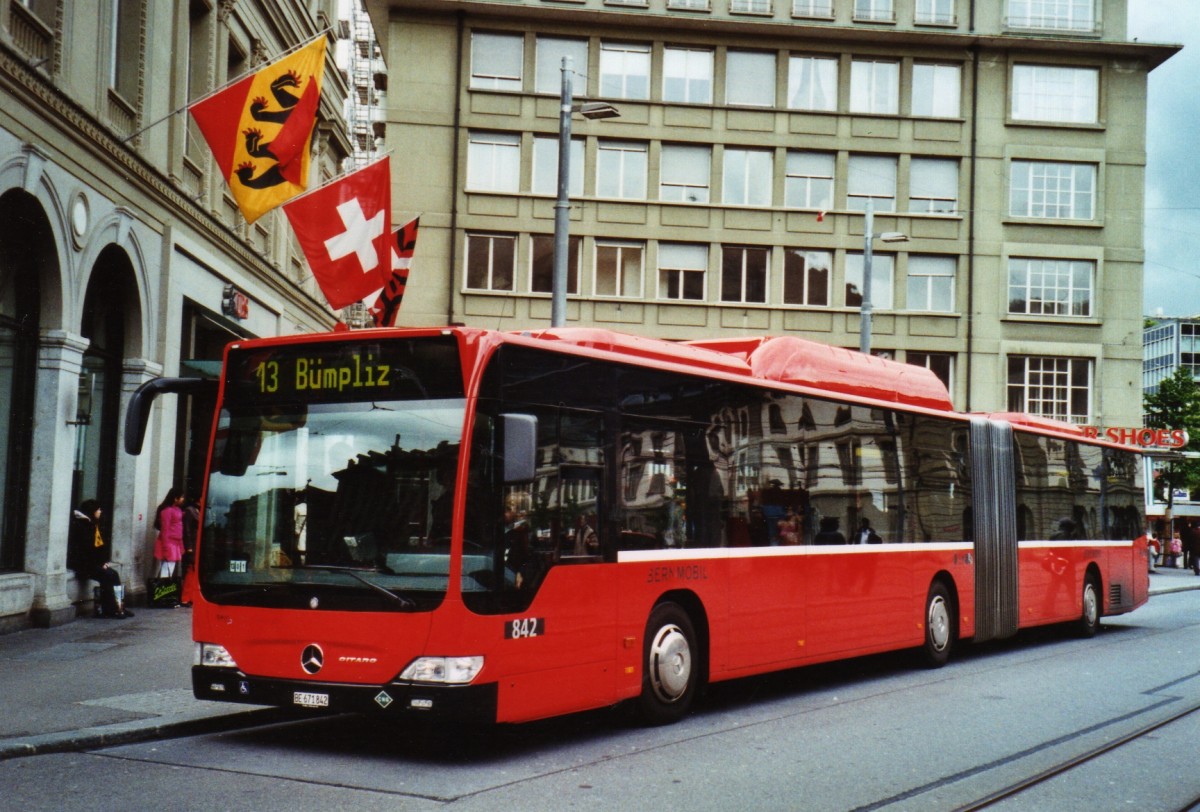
<point>522,627</point>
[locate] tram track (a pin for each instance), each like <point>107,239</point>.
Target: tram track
<point>1065,766</point>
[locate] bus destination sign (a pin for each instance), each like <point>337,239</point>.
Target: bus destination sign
<point>346,371</point>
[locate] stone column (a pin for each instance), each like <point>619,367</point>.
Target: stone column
<point>60,360</point>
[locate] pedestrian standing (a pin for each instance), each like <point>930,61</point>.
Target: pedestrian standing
<point>168,545</point>
<point>191,529</point>
<point>1191,541</point>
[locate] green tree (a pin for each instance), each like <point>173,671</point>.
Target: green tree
<point>1176,405</point>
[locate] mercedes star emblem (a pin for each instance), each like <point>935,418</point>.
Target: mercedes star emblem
<point>312,658</point>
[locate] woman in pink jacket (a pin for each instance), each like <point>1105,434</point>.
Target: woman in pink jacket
<point>168,521</point>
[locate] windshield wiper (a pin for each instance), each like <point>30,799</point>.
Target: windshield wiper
<point>356,574</point>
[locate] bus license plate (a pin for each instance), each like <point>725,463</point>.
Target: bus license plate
<point>307,700</point>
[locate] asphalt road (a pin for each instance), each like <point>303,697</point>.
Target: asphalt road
<point>873,733</point>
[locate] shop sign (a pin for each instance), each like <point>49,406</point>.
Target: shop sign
<point>1140,436</point>
<point>235,304</point>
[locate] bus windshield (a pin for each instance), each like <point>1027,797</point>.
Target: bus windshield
<point>335,503</point>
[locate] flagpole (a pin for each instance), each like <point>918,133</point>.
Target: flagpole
<point>233,81</point>
<point>336,178</point>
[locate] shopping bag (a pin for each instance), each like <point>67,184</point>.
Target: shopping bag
<point>163,593</point>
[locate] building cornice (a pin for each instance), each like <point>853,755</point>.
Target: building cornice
<point>630,23</point>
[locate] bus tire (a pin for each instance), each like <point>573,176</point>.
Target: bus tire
<point>939,625</point>
<point>670,674</point>
<point>1089,619</point>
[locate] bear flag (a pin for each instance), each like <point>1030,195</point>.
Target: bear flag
<point>259,129</point>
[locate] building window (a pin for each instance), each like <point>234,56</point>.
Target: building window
<point>687,75</point>
<point>812,83</point>
<point>44,10</point>
<point>542,265</point>
<point>496,61</point>
<point>747,179</point>
<point>930,283</point>
<point>1059,388</point>
<point>821,9</point>
<point>126,48</point>
<point>874,10</point>
<point>1058,15</point>
<point>806,276</point>
<point>491,259</point>
<point>940,364</point>
<point>619,269</point>
<point>545,166</point>
<point>750,6</point>
<point>1050,287</point>
<point>750,78</point>
<point>621,170</point>
<point>934,12</point>
<point>1060,191</point>
<point>882,274</point>
<point>936,90</point>
<point>494,162</point>
<point>548,72</point>
<point>681,269</point>
<point>933,185</point>
<point>684,173</point>
<point>808,183</point>
<point>688,5</point>
<point>624,70</point>
<point>874,86</point>
<point>1056,93</point>
<point>744,274</point>
<point>871,177</point>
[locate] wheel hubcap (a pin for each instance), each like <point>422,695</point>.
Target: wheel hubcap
<point>670,663</point>
<point>1091,607</point>
<point>939,623</point>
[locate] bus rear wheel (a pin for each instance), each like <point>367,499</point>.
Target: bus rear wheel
<point>939,625</point>
<point>670,675</point>
<point>1089,619</point>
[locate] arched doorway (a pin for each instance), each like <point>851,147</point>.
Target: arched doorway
<point>26,254</point>
<point>111,293</point>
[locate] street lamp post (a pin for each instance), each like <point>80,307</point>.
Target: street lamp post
<point>562,204</point>
<point>864,323</point>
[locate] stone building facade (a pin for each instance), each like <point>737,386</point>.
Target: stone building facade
<point>123,257</point>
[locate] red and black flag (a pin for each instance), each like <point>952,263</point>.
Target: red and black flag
<point>387,305</point>
<point>260,127</point>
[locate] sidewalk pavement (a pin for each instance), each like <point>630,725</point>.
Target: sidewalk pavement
<point>95,683</point>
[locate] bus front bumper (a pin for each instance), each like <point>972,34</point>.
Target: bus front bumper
<point>399,699</point>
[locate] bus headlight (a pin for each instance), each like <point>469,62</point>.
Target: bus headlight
<point>446,670</point>
<point>212,655</point>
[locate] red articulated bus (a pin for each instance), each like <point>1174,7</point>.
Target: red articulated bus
<point>514,525</point>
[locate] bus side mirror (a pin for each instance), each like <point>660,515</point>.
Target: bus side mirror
<point>520,447</point>
<point>138,413</point>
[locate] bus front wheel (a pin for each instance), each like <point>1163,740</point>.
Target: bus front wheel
<point>670,672</point>
<point>939,625</point>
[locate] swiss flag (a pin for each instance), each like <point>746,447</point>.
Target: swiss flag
<point>344,229</point>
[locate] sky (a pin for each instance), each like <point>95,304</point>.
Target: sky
<point>1172,275</point>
